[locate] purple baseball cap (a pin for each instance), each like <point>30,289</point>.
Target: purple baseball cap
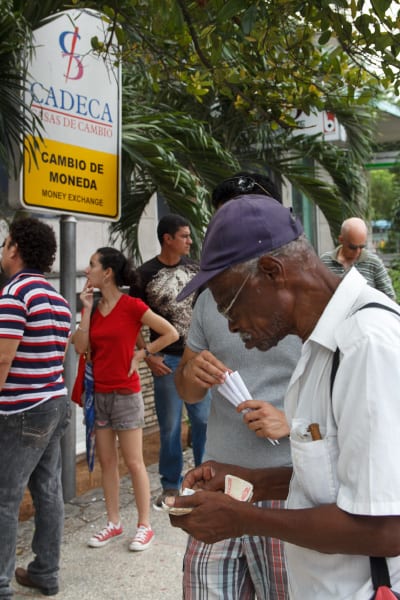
<point>245,227</point>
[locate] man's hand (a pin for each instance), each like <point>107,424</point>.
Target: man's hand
<point>205,370</point>
<point>264,419</point>
<point>208,476</point>
<point>157,365</point>
<point>215,516</point>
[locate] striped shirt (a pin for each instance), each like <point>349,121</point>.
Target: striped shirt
<point>368,264</point>
<point>32,311</point>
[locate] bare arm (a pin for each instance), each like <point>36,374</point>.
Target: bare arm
<point>167,332</point>
<point>324,528</point>
<point>80,338</point>
<point>197,372</point>
<point>167,335</point>
<point>8,349</point>
<point>269,484</point>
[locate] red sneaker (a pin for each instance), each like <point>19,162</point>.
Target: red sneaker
<point>142,540</point>
<point>105,535</point>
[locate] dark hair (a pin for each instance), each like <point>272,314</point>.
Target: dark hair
<point>244,183</point>
<point>36,242</point>
<point>110,258</point>
<point>170,224</point>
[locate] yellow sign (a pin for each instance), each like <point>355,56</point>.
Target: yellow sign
<point>73,181</point>
<point>76,95</point>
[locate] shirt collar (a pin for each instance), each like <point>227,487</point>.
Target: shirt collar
<point>338,308</point>
<point>26,273</point>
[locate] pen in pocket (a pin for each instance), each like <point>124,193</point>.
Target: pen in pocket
<point>313,428</point>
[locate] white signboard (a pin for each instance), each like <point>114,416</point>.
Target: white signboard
<point>76,94</point>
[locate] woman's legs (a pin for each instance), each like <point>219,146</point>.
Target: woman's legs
<point>107,453</point>
<point>131,444</point>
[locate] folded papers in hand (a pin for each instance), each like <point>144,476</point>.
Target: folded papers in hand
<point>234,389</point>
<point>237,488</point>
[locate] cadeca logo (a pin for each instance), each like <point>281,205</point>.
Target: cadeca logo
<point>68,41</point>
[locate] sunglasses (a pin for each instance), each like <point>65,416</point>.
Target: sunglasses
<point>356,246</point>
<point>247,185</point>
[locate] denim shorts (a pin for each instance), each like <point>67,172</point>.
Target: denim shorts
<point>119,411</point>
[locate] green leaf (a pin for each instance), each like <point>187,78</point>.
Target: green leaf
<point>363,23</point>
<point>230,9</point>
<point>380,7</point>
<point>248,19</point>
<point>324,37</point>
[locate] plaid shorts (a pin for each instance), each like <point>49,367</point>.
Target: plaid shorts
<point>236,569</point>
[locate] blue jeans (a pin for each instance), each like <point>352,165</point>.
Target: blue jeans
<point>169,413</point>
<point>30,455</point>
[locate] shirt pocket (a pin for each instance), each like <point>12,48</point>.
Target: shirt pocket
<point>314,464</point>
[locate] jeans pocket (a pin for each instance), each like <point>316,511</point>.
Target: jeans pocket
<point>39,424</point>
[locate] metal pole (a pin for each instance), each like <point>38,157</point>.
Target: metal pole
<point>68,290</point>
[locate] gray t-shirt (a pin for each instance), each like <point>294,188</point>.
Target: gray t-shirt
<point>266,375</point>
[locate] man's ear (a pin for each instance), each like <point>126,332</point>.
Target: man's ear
<point>272,268</point>
<point>340,239</point>
<point>13,250</point>
<point>167,237</point>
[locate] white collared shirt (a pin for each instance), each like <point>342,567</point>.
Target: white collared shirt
<point>355,465</point>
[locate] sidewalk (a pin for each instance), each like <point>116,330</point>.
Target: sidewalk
<point>112,572</point>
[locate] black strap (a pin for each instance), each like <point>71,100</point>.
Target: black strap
<point>335,366</point>
<point>378,305</point>
<point>336,355</point>
<point>379,569</point>
<point>379,572</point>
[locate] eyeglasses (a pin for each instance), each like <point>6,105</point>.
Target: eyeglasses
<point>225,311</point>
<point>356,246</point>
<point>248,184</point>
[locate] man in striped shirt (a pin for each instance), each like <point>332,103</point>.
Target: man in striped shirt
<point>35,322</point>
<point>352,251</point>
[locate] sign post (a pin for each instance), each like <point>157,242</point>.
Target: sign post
<point>75,169</point>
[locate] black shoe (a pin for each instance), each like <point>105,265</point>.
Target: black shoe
<point>157,505</point>
<point>23,578</point>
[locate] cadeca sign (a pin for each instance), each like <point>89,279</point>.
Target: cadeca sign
<point>76,94</point>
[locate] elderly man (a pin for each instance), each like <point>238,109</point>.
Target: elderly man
<point>343,492</point>
<point>352,251</point>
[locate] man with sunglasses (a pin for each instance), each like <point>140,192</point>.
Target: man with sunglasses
<point>245,566</point>
<point>352,251</point>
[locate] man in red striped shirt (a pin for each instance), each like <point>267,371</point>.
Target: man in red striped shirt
<point>35,322</point>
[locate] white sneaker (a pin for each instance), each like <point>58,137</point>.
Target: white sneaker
<point>143,539</point>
